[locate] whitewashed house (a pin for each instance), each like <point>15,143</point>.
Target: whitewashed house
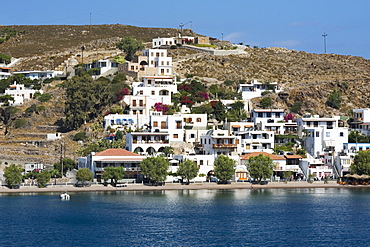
<point>322,135</point>
<point>97,162</point>
<point>20,93</point>
<point>220,142</point>
<point>39,75</point>
<point>103,67</point>
<point>4,72</point>
<point>254,89</point>
<point>361,121</point>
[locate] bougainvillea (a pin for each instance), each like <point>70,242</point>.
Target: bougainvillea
<point>288,117</point>
<point>160,107</point>
<point>121,93</point>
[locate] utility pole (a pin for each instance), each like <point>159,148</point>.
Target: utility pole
<point>324,35</point>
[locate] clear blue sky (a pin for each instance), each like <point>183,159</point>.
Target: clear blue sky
<point>293,24</point>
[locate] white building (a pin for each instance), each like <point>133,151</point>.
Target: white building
<point>97,162</point>
<point>20,93</point>
<point>256,141</point>
<point>220,142</point>
<point>361,121</point>
<point>103,67</point>
<point>147,143</point>
<point>322,134</point>
<point>39,75</point>
<point>4,72</point>
<point>254,89</point>
<point>268,119</point>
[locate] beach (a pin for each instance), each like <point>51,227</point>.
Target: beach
<point>177,186</point>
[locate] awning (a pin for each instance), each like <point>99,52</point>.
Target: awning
<point>248,126</point>
<point>235,126</point>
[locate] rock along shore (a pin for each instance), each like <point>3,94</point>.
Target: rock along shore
<point>173,186</point>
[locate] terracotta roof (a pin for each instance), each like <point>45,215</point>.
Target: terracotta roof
<point>293,156</point>
<point>116,152</point>
<point>272,156</point>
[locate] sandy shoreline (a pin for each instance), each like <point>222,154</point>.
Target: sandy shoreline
<point>170,186</point>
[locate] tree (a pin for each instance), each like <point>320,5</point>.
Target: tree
<point>68,164</point>
<point>130,46</point>
<point>167,151</point>
<point>155,168</point>
<point>188,170</point>
<point>43,178</point>
<point>13,175</point>
<point>260,167</point>
<point>84,174</point>
<point>224,168</point>
<point>114,174</point>
<point>334,99</point>
<point>361,163</point>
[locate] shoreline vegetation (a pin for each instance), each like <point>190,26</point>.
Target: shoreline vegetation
<point>175,186</point>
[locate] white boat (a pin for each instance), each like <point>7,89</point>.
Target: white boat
<point>65,196</point>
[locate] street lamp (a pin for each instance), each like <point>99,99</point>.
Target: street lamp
<point>55,179</point>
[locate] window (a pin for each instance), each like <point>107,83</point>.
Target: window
<point>277,114</point>
<point>269,114</point>
<point>149,82</point>
<point>260,114</point>
<point>134,102</point>
<point>199,120</point>
<point>163,125</point>
<point>132,67</point>
<point>201,162</point>
<point>153,92</point>
<point>192,135</point>
<point>317,134</point>
<point>175,136</point>
<point>168,62</point>
<point>327,134</point>
<point>141,92</point>
<point>155,124</point>
<point>178,124</point>
<point>168,70</point>
<point>341,134</point>
<point>162,63</point>
<point>141,112</point>
<point>151,62</point>
<point>134,112</point>
<point>141,103</point>
<point>152,53</point>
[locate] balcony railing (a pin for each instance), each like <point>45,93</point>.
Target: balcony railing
<point>224,145</point>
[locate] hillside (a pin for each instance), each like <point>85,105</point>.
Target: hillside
<point>303,77</point>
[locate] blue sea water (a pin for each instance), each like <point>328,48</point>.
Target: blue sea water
<point>275,217</point>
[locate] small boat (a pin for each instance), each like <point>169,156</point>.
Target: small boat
<point>65,196</point>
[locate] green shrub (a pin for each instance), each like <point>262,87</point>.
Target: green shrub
<point>80,136</point>
<point>45,97</point>
<point>266,102</point>
<point>205,45</point>
<point>20,123</point>
<point>296,107</point>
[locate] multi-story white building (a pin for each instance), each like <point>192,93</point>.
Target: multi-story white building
<point>153,62</point>
<point>264,119</point>
<point>361,121</point>
<point>97,162</point>
<point>20,93</point>
<point>103,66</point>
<point>254,89</point>
<point>322,134</point>
<point>220,142</point>
<point>147,143</point>
<point>256,141</point>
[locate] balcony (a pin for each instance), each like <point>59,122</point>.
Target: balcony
<point>224,145</point>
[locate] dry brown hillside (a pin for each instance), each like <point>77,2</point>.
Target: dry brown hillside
<point>304,77</point>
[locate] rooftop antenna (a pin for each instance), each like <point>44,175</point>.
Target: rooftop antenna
<point>324,35</point>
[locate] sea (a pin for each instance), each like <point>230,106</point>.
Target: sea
<point>240,217</point>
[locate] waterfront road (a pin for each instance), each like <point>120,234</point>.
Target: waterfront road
<point>177,186</point>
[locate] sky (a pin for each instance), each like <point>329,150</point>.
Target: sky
<point>292,24</point>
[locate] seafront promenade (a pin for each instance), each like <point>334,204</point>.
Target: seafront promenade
<point>176,186</point>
